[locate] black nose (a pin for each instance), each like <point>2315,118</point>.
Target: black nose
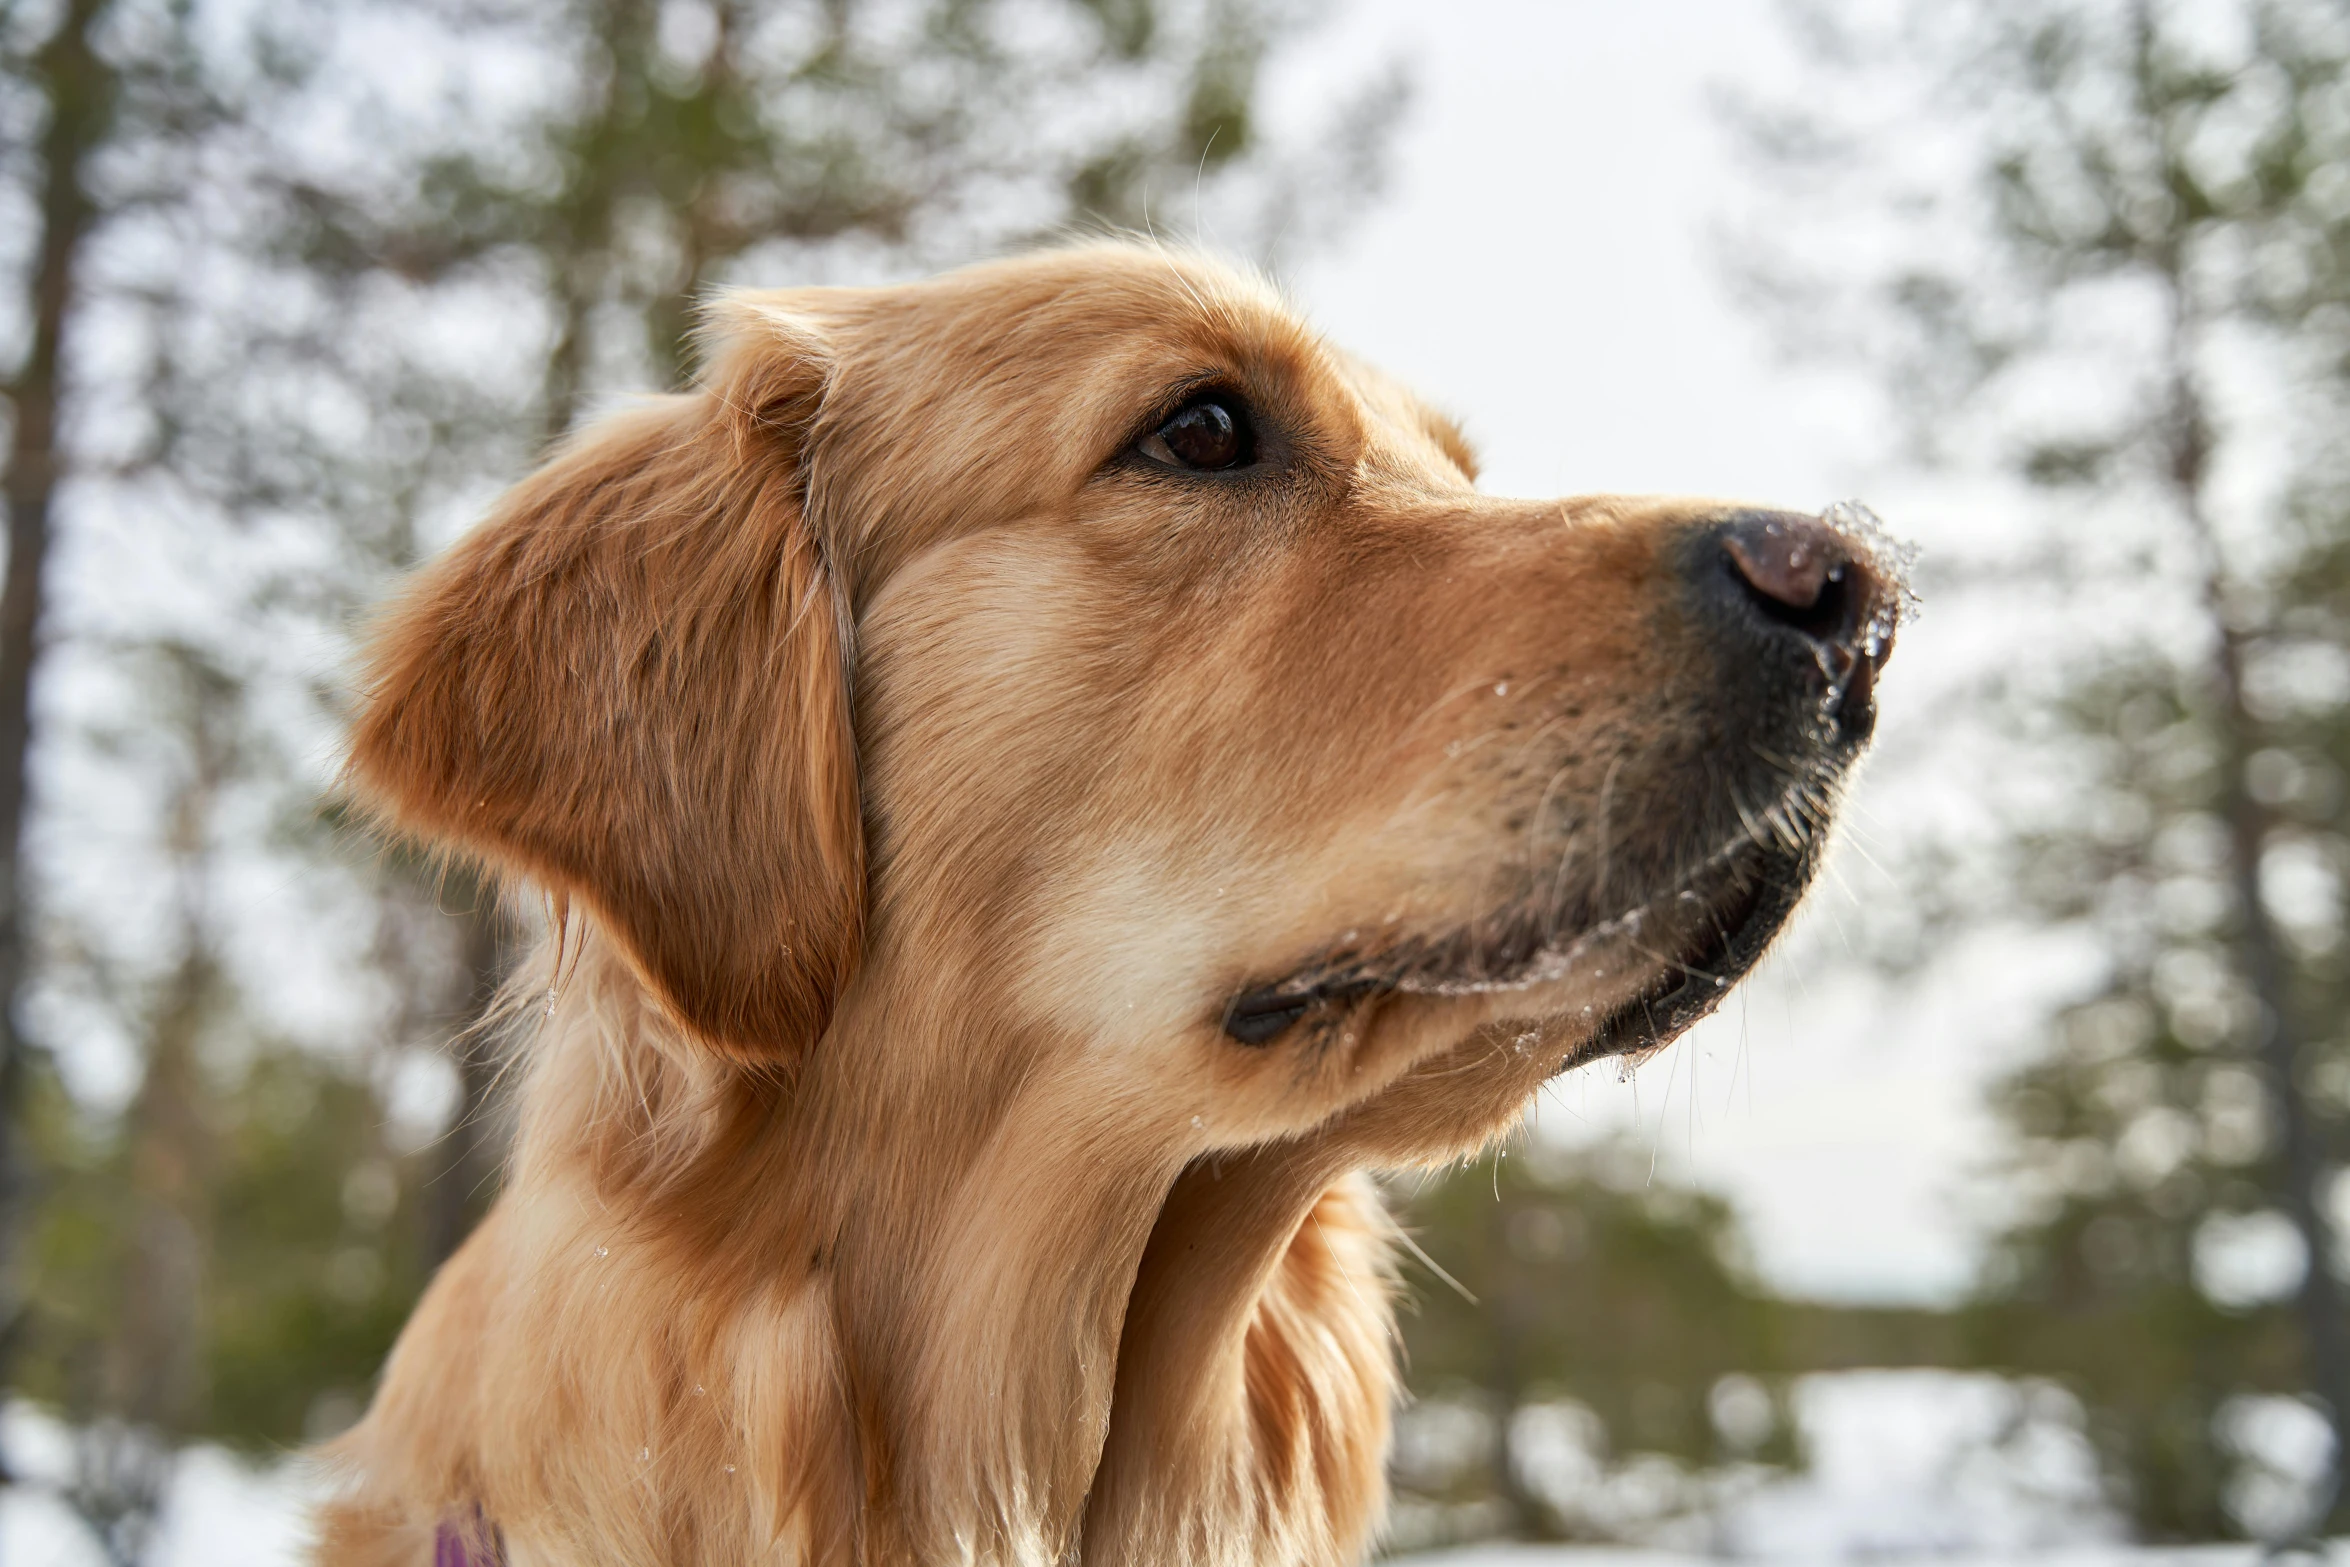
<point>1798,593</point>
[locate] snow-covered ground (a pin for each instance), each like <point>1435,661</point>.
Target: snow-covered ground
<point>1914,1466</point>
<point>219,1510</point>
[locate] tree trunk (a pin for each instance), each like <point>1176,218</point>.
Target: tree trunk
<point>79,89</point>
<point>153,1370</point>
<point>151,1387</point>
<point>458,1192</point>
<point>2279,1051</point>
<point>151,1377</point>
<point>2260,954</point>
<point>1514,1309</point>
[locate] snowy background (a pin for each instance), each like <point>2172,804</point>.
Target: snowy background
<point>1964,1471</point>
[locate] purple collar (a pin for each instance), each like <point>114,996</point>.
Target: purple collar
<point>468,1545</point>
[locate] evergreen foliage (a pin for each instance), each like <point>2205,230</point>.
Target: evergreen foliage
<point>1578,1321</point>
<point>2129,293</point>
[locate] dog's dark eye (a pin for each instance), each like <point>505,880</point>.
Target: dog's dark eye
<point>1208,433</point>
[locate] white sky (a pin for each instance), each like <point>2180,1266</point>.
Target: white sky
<point>1544,267</point>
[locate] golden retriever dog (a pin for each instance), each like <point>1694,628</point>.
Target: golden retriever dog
<point>1042,778</point>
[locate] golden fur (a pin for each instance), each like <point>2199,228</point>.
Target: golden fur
<point>917,774</point>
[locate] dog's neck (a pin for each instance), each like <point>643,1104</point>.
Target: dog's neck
<point>922,1306</point>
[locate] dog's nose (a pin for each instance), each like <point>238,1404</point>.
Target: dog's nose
<point>1800,584</point>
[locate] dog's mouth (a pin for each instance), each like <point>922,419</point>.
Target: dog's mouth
<point>1731,937</point>
<point>1701,936</point>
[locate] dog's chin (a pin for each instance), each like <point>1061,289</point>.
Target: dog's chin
<point>1724,932</point>
<point>1622,985</point>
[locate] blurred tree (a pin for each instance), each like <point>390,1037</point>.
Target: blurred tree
<point>162,1307</point>
<point>2128,286</point>
<point>1581,1317</point>
<point>66,102</point>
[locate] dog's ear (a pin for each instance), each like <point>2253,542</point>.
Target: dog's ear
<point>630,685</point>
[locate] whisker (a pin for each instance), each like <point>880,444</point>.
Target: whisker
<point>1431,1264</point>
<point>1607,791</point>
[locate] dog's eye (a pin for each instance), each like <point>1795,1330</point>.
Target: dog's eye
<point>1208,433</point>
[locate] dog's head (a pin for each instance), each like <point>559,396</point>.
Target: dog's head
<point>1079,651</point>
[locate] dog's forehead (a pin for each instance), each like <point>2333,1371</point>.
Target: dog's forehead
<point>1110,322</point>
<point>997,391</point>
<point>1116,284</point>
<point>1090,329</point>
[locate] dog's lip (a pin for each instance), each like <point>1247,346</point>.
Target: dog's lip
<point>1760,887</point>
<point>1740,931</point>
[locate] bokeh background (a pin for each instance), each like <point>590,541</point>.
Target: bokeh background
<point>1999,1216</point>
